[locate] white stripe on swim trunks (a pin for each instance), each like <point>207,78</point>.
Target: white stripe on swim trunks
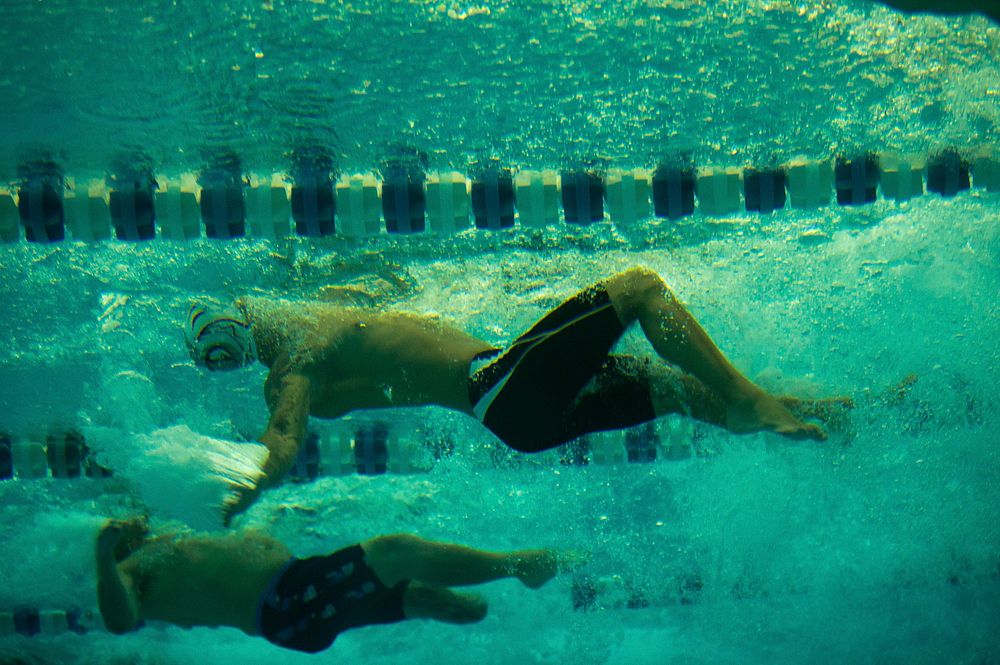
<point>483,405</point>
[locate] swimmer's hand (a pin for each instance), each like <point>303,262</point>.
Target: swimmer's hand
<point>119,538</point>
<point>239,500</point>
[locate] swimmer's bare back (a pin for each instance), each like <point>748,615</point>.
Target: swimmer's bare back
<point>989,8</point>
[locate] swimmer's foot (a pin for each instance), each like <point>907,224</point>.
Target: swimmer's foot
<point>536,567</point>
<point>831,411</point>
<point>835,412</point>
<point>898,393</point>
<point>764,413</point>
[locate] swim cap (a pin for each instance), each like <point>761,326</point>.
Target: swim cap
<point>219,340</point>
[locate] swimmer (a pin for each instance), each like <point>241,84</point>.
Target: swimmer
<point>990,8</point>
<point>556,382</point>
<point>252,582</point>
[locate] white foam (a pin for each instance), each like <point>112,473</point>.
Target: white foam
<point>50,560</point>
<point>181,474</point>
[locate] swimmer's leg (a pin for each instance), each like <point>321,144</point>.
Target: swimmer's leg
<point>639,294</point>
<point>833,412</point>
<point>426,602</point>
<point>407,557</point>
<point>675,392</point>
<point>629,391</point>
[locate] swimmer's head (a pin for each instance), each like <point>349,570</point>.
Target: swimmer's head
<point>219,340</point>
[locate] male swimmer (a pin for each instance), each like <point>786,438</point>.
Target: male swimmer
<point>252,582</point>
<point>556,382</point>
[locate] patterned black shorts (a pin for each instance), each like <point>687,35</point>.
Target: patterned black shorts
<point>313,600</point>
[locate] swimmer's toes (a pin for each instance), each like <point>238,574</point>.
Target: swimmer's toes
<point>816,433</point>
<point>813,432</point>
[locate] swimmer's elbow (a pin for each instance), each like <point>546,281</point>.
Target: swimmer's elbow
<point>281,447</point>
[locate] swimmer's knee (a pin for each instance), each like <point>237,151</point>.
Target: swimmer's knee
<point>468,608</point>
<point>634,288</point>
<point>640,272</point>
<point>636,277</point>
<point>476,610</point>
<point>648,282</point>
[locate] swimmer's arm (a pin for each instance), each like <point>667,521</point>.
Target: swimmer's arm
<point>287,395</point>
<point>288,399</point>
<point>115,591</point>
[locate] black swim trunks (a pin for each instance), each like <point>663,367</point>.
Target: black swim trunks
<point>311,601</point>
<point>532,394</point>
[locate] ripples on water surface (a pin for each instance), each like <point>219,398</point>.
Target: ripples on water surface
<point>880,546</point>
<point>535,83</point>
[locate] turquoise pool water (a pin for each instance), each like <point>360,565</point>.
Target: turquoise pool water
<point>881,545</point>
